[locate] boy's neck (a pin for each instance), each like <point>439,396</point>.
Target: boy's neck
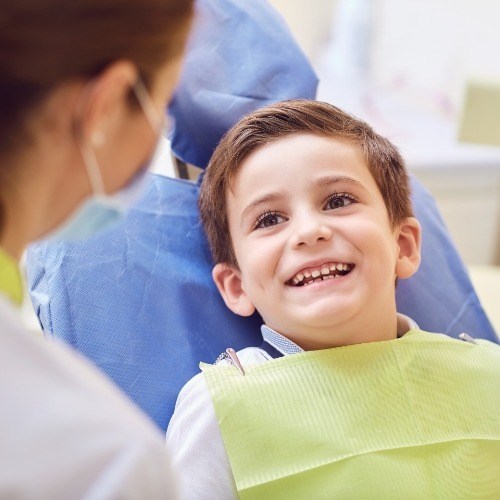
<point>377,328</point>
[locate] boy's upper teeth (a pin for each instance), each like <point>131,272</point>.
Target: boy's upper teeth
<point>332,269</point>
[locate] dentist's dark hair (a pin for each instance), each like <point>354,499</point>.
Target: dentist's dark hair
<point>283,119</point>
<point>46,43</point>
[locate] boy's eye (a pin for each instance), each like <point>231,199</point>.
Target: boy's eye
<point>339,200</point>
<point>269,219</point>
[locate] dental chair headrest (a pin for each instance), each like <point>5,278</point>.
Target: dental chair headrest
<point>241,57</point>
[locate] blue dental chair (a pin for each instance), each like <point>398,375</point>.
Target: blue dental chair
<point>138,300</point>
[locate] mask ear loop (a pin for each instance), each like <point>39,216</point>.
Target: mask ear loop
<point>93,169</point>
<point>88,155</point>
<point>147,105</point>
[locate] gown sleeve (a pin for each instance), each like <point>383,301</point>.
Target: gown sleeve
<point>194,442</point>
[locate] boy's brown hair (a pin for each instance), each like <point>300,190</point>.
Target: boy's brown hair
<point>281,120</point>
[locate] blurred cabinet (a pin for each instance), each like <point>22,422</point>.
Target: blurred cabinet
<point>469,200</point>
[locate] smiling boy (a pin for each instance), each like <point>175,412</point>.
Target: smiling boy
<point>301,206</point>
<point>308,215</point>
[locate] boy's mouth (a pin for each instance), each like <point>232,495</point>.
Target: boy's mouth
<point>328,270</point>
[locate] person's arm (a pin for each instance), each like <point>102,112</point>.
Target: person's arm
<point>67,432</point>
<point>194,442</point>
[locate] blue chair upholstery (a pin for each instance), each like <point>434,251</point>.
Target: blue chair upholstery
<point>138,300</point>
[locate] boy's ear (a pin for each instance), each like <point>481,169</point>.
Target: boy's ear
<point>228,281</point>
<point>409,241</point>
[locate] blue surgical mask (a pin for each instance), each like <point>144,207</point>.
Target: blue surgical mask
<point>102,210</point>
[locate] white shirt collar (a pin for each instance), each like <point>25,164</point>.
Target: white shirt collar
<point>286,347</point>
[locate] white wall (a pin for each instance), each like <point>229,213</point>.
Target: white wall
<point>437,44</point>
<point>309,21</point>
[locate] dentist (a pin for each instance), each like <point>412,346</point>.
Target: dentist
<point>83,85</point>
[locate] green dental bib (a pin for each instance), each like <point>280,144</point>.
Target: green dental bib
<point>416,417</point>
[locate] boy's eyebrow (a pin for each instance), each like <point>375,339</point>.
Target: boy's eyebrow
<point>269,197</point>
<point>335,179</point>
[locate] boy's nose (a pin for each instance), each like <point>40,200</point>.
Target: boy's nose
<point>310,233</point>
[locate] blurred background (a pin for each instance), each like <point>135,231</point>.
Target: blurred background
<point>425,74</point>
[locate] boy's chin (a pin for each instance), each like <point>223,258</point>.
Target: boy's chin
<point>328,312</point>
<point>323,323</point>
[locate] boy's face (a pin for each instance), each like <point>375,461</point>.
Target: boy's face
<point>317,255</point>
